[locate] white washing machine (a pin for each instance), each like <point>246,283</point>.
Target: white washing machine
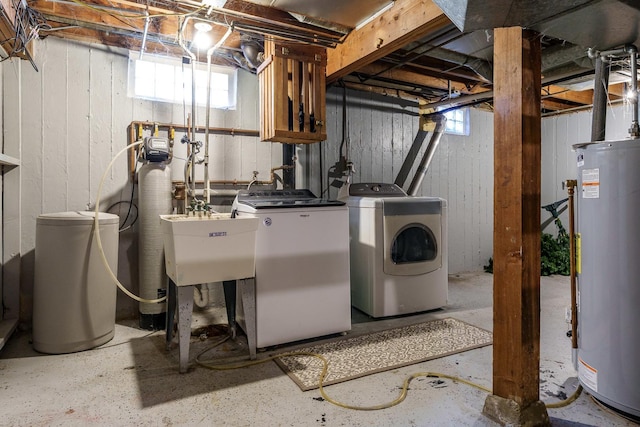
<point>302,264</point>
<point>398,250</point>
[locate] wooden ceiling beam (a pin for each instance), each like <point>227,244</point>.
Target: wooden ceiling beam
<point>556,105</point>
<point>378,69</point>
<point>404,22</point>
<point>617,89</point>
<point>72,12</point>
<point>584,97</point>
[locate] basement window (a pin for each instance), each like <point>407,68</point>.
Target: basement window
<point>164,79</point>
<point>457,121</point>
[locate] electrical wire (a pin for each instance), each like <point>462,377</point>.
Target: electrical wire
<point>141,15</point>
<point>27,25</point>
<point>131,204</point>
<point>122,227</point>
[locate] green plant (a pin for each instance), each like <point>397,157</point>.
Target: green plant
<point>554,253</point>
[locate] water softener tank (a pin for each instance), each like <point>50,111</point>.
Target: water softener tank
<point>74,299</point>
<point>154,199</point>
<point>608,264</point>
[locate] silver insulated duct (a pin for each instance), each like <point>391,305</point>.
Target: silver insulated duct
<point>440,122</point>
<point>436,123</point>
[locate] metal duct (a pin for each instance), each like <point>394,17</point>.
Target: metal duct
<point>470,15</point>
<point>610,23</point>
<point>288,160</point>
<point>411,158</point>
<point>345,13</point>
<point>555,56</point>
<point>253,52</point>
<point>440,121</point>
<point>479,66</point>
<point>154,199</point>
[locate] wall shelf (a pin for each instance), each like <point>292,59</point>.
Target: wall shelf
<point>8,160</point>
<point>7,326</point>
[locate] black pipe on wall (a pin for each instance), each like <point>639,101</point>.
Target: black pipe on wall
<point>288,159</point>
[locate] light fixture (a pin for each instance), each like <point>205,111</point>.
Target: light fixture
<point>202,39</point>
<point>214,3</point>
<point>202,27</point>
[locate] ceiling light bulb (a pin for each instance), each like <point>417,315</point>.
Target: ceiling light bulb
<point>214,3</point>
<point>202,27</point>
<point>202,40</point>
<point>630,95</point>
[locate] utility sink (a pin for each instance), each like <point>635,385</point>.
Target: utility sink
<point>205,248</point>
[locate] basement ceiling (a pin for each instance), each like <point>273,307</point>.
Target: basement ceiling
<point>447,60</point>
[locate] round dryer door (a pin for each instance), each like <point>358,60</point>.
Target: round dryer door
<point>415,243</point>
<point>412,244</point>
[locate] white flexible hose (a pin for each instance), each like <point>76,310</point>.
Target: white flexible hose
<point>97,233</point>
<point>201,295</point>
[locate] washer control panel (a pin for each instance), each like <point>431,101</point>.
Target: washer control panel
<point>375,189</point>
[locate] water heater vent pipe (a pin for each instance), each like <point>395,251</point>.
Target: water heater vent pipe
<point>634,130</point>
<point>440,122</point>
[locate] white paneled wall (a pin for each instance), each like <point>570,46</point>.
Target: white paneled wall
<point>70,118</point>
<point>559,134</point>
<point>75,113</point>
<point>381,130</point>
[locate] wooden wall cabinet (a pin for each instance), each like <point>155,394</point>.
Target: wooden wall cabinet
<point>293,93</point>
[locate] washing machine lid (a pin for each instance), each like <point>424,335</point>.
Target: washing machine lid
<point>282,199</point>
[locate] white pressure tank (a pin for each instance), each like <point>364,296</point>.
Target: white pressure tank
<point>74,298</point>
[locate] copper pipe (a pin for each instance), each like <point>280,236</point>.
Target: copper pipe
<point>237,181</point>
<point>213,130</point>
<point>132,153</point>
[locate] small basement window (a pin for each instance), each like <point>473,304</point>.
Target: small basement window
<point>164,79</point>
<point>457,121</point>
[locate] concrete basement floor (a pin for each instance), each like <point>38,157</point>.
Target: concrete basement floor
<point>133,380</point>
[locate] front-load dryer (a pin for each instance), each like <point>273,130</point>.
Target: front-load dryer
<point>398,250</point>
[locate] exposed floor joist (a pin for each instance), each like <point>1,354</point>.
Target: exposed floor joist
<point>403,23</point>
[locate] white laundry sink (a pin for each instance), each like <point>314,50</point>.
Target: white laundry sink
<point>208,248</point>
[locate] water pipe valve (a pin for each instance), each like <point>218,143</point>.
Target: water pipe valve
<point>199,207</point>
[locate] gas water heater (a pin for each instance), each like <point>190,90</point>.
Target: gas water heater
<point>608,267</point>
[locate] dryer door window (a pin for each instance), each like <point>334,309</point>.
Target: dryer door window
<point>412,244</point>
<point>415,243</point>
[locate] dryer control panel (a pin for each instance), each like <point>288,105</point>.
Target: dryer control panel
<point>374,189</point>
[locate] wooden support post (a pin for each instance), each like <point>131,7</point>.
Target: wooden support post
<point>516,235</point>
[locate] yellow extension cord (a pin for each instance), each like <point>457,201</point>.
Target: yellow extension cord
<point>325,367</point>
